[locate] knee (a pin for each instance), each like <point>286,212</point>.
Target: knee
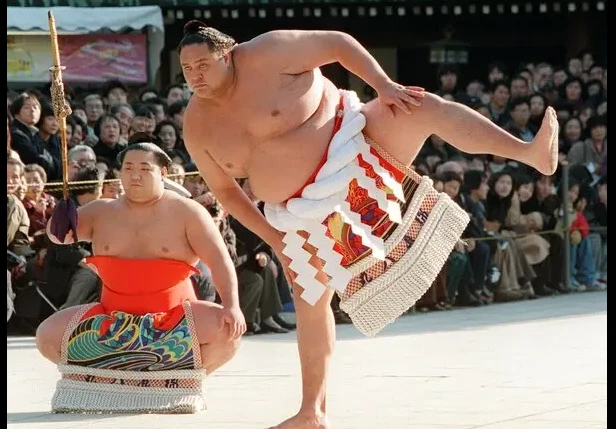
<point>46,342</point>
<point>227,350</point>
<point>432,103</point>
<point>306,311</point>
<point>232,347</point>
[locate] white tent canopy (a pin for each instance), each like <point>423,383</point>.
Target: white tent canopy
<point>81,20</point>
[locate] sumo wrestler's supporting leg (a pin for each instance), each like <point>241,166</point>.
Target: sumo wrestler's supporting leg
<point>402,135</point>
<point>316,335</point>
<point>50,333</point>
<point>216,348</point>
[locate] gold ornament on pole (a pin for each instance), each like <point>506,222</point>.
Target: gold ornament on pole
<point>65,215</point>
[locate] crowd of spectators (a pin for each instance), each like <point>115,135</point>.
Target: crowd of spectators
<point>513,248</point>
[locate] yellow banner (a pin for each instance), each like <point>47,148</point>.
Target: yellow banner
<point>28,58</point>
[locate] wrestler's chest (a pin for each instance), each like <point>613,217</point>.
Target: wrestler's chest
<point>142,239</point>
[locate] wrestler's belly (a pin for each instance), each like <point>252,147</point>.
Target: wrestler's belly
<point>148,301</point>
<point>284,164</point>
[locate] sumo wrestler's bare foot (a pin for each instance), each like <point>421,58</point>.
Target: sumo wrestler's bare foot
<point>544,156</point>
<point>304,421</point>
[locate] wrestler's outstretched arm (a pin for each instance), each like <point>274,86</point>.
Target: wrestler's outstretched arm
<point>279,49</point>
<point>206,241</point>
<point>87,214</point>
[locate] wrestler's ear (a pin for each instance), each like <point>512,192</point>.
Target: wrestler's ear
<point>226,57</point>
<point>163,172</point>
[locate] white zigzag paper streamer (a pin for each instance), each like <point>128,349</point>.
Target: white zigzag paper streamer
<point>300,263</point>
<point>339,276</point>
<point>388,180</point>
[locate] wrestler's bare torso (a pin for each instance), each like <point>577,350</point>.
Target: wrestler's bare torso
<point>274,129</point>
<point>154,231</point>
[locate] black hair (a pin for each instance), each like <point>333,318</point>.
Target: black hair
<point>596,121</point>
<point>473,179</point>
<point>157,101</point>
<point>145,142</point>
<point>112,84</point>
<point>497,207</point>
<point>522,178</point>
<point>87,173</point>
<point>197,33</point>
<point>19,102</point>
<point>518,101</point>
<point>494,85</point>
<point>520,77</point>
<point>76,120</point>
<point>444,69</point>
<point>175,108</point>
<point>169,123</point>
<point>104,118</point>
<point>46,110</point>
<point>144,110</point>
<point>145,90</point>
<point>170,87</point>
<point>450,176</point>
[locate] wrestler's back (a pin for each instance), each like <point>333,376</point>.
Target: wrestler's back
<point>274,130</point>
<point>154,232</point>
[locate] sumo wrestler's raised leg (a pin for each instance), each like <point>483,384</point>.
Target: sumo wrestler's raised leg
<point>216,348</point>
<point>402,135</point>
<point>50,333</point>
<point>316,336</point>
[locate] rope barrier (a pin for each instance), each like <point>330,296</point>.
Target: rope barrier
<point>525,234</point>
<point>85,184</point>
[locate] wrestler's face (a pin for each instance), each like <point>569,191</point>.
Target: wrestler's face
<point>141,177</point>
<point>206,72</point>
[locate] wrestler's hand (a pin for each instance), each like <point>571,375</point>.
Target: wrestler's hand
<point>233,319</point>
<point>393,94</point>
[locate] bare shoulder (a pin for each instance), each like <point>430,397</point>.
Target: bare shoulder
<point>179,204</point>
<point>194,116</point>
<point>247,52</point>
<point>100,205</point>
<point>197,124</point>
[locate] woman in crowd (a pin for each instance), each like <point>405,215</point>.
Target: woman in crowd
<point>571,133</point>
<point>516,272</point>
<point>38,204</point>
<point>169,135</point>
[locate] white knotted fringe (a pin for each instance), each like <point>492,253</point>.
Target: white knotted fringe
<point>326,195</point>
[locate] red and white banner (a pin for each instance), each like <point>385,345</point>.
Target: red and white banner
<point>88,58</point>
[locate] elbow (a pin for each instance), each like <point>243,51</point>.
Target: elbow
<point>340,42</point>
